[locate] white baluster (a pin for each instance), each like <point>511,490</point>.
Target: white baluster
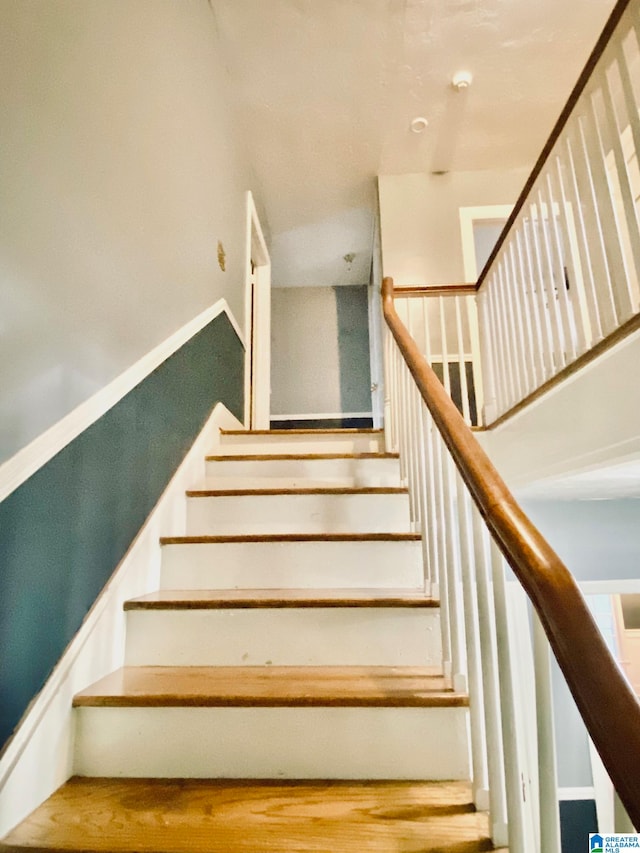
<point>567,238</point>
<point>490,682</point>
<point>480,381</point>
<point>595,238</point>
<point>452,562</point>
<point>569,182</point>
<point>632,223</point>
<point>431,555</point>
<point>492,367</point>
<point>557,277</point>
<point>545,286</point>
<point>519,841</point>
<point>530,306</point>
<point>547,774</point>
<point>521,321</point>
<point>630,102</point>
<point>462,364</point>
<point>446,377</point>
<point>505,318</point>
<point>389,426</point>
<point>430,539</point>
<point>472,634</point>
<point>442,534</point>
<point>608,216</point>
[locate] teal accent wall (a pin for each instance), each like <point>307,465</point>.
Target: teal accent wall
<point>64,531</point>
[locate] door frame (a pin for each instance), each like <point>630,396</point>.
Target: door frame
<point>257,313</point>
<point>469,215</point>
<point>611,814</point>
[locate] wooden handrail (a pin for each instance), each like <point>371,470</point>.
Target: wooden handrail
<point>578,89</point>
<point>436,290</point>
<point>608,706</point>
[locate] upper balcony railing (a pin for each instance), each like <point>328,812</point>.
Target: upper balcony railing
<point>563,281</point>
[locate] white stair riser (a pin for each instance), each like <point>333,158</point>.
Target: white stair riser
<point>330,636</point>
<point>292,473</point>
<point>283,565</point>
<point>280,743</point>
<point>314,513</point>
<point>231,445</point>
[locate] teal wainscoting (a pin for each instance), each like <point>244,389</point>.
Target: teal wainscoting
<point>64,531</point>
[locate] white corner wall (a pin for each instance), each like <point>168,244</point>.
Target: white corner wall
<point>121,171</point>
<point>420,223</point>
<point>586,424</point>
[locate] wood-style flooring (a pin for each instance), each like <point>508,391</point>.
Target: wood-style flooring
<point>271,686</point>
<point>222,816</point>
<point>214,599</point>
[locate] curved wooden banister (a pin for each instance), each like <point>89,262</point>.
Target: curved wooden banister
<point>609,707</point>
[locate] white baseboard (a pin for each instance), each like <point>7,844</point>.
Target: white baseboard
<point>587,793</point>
<point>16,470</point>
<point>39,757</point>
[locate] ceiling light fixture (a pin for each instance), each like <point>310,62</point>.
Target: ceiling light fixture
<point>419,124</point>
<point>462,80</point>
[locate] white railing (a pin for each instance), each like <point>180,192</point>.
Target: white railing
<point>466,570</point>
<point>444,324</point>
<point>565,275</point>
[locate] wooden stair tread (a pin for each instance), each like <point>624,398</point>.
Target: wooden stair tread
<point>317,432</point>
<point>229,816</point>
<point>314,490</point>
<point>272,686</point>
<point>214,599</point>
<point>286,457</point>
<point>291,537</point>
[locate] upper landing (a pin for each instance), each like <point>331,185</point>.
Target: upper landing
<point>582,438</point>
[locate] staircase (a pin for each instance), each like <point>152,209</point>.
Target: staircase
<point>283,689</point>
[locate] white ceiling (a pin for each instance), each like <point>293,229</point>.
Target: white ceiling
<point>325,91</point>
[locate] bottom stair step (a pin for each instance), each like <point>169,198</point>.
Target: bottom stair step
<point>218,816</point>
<point>272,722</point>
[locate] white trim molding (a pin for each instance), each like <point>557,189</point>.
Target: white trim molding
<point>469,215</point>
<point>587,793</point>
<point>257,322</point>
<point>24,464</point>
<point>39,758</point>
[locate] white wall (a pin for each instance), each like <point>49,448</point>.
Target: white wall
<point>420,224</point>
<point>586,429</point>
<point>120,172</point>
<point>305,362</point>
<point>598,540</point>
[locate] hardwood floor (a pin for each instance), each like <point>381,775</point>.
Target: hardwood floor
<point>291,537</point>
<point>267,492</point>
<point>222,816</point>
<point>212,599</point>
<point>256,457</point>
<point>266,686</point>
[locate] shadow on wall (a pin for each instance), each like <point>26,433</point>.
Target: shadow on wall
<point>320,360</point>
<point>353,348</point>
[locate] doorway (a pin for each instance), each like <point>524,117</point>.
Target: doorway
<point>257,324</point>
<point>480,228</point>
